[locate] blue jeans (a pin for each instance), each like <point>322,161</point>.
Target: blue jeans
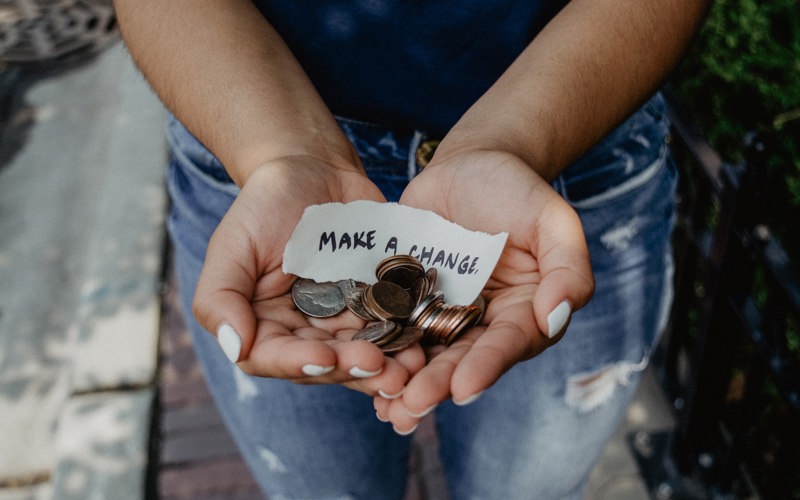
<point>537,432</point>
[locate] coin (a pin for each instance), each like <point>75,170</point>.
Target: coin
<point>345,285</point>
<point>432,275</point>
<point>318,300</point>
<point>388,301</point>
<point>403,306</point>
<point>402,270</point>
<point>432,301</point>
<point>420,289</point>
<point>353,299</point>
<point>470,317</point>
<point>379,332</point>
<point>409,336</point>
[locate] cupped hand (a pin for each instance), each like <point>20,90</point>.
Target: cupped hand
<point>542,276</point>
<point>244,297</point>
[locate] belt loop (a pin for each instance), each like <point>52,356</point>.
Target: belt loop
<point>412,153</point>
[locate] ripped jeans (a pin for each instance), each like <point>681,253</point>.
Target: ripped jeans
<point>537,432</point>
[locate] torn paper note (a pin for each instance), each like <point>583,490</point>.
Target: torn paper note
<point>337,241</point>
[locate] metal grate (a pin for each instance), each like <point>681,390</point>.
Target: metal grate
<point>35,31</point>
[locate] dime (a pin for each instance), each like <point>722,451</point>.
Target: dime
<point>318,300</point>
<point>409,336</point>
<point>353,299</point>
<point>427,304</point>
<point>379,332</point>
<point>346,284</point>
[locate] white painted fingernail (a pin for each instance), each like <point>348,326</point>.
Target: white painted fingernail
<point>465,402</point>
<point>422,413</point>
<point>380,418</point>
<point>405,433</point>
<point>391,396</point>
<point>316,370</point>
<point>557,318</point>
<point>359,373</point>
<point>230,342</point>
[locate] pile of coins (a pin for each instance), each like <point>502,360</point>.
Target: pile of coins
<point>403,307</point>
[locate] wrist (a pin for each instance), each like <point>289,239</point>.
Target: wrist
<point>344,159</point>
<point>531,148</point>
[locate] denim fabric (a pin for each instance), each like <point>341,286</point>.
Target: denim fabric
<point>537,432</point>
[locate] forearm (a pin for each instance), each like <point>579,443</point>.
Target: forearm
<point>229,77</point>
<point>593,64</point>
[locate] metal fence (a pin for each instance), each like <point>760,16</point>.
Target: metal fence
<point>729,361</point>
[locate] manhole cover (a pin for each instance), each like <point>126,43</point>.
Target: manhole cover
<point>34,31</point>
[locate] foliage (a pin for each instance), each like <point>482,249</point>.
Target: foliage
<point>742,74</point>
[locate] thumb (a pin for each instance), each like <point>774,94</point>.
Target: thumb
<point>222,298</point>
<point>567,281</point>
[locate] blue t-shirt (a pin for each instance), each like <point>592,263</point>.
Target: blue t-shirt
<point>416,64</point>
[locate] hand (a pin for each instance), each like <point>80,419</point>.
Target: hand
<point>543,274</point>
<point>244,296</point>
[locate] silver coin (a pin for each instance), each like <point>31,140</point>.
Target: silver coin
<point>319,300</point>
<point>353,299</point>
<point>377,332</point>
<point>345,285</point>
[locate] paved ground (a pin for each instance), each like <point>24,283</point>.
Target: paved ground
<point>81,293</point>
<point>81,242</point>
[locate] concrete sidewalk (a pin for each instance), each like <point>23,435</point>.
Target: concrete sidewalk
<point>82,208</point>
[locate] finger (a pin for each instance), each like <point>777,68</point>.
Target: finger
<point>381,406</point>
<point>431,385</point>
<point>222,297</point>
<point>412,358</point>
<point>388,384</point>
<point>504,343</point>
<point>357,359</point>
<point>567,282</point>
<point>278,352</point>
<point>401,419</point>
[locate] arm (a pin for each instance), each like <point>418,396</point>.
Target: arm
<point>591,66</point>
<point>230,78</point>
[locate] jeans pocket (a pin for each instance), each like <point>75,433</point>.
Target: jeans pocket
<point>625,159</point>
<point>194,157</point>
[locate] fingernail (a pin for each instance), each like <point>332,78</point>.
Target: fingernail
<point>381,418</point>
<point>466,401</point>
<point>359,373</point>
<point>391,396</point>
<point>557,318</point>
<point>423,412</point>
<point>405,433</point>
<point>316,370</point>
<point>230,342</point>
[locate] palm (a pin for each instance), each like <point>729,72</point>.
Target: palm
<point>544,262</point>
<point>243,278</point>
